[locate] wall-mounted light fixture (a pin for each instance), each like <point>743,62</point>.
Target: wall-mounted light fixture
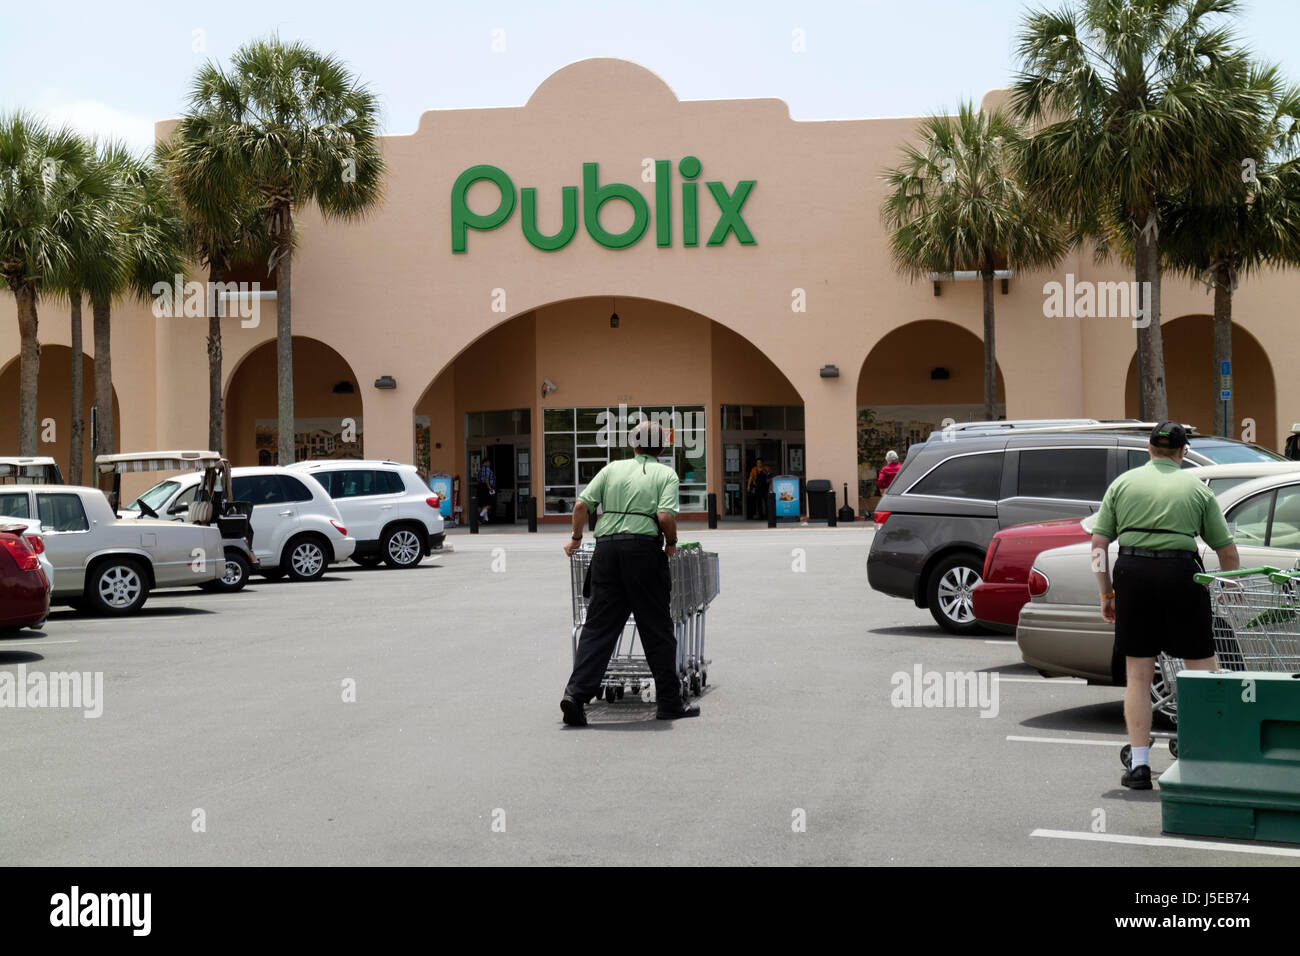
<point>344,388</point>
<point>613,315</point>
<point>830,371</point>
<point>939,374</point>
<point>385,381</point>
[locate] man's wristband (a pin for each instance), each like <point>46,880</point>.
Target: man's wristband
<point>576,537</point>
<point>1108,595</point>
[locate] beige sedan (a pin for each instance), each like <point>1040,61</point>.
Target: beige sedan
<point>103,563</point>
<point>1061,632</point>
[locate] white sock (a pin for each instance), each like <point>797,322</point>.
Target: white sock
<point>1141,756</point>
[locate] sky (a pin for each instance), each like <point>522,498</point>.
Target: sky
<point>113,69</point>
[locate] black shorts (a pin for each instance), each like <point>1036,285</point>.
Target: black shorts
<point>1158,607</point>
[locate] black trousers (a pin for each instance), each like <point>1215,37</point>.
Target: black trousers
<point>627,577</point>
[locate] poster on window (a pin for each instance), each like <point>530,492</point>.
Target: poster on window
<point>312,438</point>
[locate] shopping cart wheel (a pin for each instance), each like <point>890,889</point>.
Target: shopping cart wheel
<point>704,678</point>
<point>1173,748</point>
<point>1126,756</point>
<point>695,684</point>
<point>620,691</point>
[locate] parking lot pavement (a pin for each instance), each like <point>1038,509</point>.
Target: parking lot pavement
<point>225,736</point>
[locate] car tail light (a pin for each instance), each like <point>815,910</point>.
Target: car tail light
<point>1038,583</point>
<point>433,501</point>
<point>38,545</point>
<point>21,552</point>
<point>339,528</point>
<point>988,559</point>
<point>880,517</point>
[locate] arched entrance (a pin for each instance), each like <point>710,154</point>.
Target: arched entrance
<point>1192,383</point>
<point>54,408</point>
<point>541,396</point>
<point>916,376</point>
<point>326,405</point>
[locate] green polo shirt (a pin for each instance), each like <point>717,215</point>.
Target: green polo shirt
<point>639,484</point>
<point>1162,495</point>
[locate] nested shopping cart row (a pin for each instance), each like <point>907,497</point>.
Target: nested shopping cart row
<point>696,581</point>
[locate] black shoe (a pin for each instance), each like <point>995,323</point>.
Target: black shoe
<point>1137,778</point>
<point>574,714</point>
<point>677,709</point>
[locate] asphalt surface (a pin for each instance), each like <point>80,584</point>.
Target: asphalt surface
<point>229,710</point>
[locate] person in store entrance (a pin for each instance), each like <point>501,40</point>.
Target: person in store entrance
<point>1157,512</point>
<point>885,477</point>
<point>487,489</point>
<point>635,537</point>
<point>760,479</point>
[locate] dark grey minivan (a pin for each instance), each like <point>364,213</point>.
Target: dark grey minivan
<point>956,491</point>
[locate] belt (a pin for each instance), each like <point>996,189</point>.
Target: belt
<point>627,537</point>
<point>1148,553</point>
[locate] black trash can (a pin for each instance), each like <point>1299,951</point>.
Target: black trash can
<point>821,499</point>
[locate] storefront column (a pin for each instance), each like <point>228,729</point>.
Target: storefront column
<point>831,433</point>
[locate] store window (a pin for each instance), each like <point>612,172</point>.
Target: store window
<point>578,442</point>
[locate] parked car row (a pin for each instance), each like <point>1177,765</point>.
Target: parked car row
<point>210,526</point>
<point>964,549</point>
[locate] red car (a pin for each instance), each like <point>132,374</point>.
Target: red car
<point>24,590</point>
<point>1004,589</point>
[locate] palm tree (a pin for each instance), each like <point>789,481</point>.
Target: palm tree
<point>222,230</point>
<point>1133,103</point>
<point>143,248</point>
<point>1253,224</point>
<point>956,203</point>
<point>295,127</point>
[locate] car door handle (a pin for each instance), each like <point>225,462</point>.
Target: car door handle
<point>385,507</point>
<point>285,514</point>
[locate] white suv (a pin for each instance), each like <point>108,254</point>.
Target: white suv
<point>390,511</point>
<point>296,528</point>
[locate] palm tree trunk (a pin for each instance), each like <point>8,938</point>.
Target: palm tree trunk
<point>100,309</point>
<point>29,369</point>
<point>284,349</point>
<point>1224,413</point>
<point>1153,401</point>
<point>990,352</point>
<point>76,454</point>
<point>216,426</point>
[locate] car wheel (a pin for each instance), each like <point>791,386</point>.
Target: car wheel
<point>402,548</point>
<point>305,559</point>
<point>118,586</point>
<point>234,575</point>
<point>950,594</point>
<point>367,560</point>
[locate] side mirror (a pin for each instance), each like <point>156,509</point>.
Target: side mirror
<point>179,508</point>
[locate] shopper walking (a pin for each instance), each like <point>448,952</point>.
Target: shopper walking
<point>487,488</point>
<point>1156,513</point>
<point>635,536</point>
<point>885,477</point>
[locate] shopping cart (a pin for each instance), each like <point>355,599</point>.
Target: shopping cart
<point>696,581</point>
<point>1256,622</point>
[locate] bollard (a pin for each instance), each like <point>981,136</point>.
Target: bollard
<point>713,510</point>
<point>473,514</point>
<point>830,509</point>
<point>532,514</point>
<point>771,509</point>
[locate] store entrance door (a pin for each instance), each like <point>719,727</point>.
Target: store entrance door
<point>510,465</point>
<point>769,450</point>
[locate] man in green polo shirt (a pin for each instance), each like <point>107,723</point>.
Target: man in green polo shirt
<point>629,573</point>
<point>1157,512</point>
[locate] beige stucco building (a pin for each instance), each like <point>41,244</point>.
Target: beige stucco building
<point>511,347</point>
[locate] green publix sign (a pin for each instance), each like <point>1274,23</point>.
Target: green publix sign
<point>594,196</point>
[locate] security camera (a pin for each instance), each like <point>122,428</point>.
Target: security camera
<point>548,386</point>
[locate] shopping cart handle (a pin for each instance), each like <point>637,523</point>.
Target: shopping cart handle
<point>1206,577</point>
<point>687,544</point>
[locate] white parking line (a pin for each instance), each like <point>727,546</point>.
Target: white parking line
<point>1167,841</point>
<point>5,644</point>
<point>1000,642</point>
<point>1041,680</point>
<point>1118,741</point>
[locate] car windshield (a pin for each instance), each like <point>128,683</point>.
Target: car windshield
<point>155,496</point>
<point>1232,452</point>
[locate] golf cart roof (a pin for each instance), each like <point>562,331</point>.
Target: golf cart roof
<point>10,460</point>
<point>158,461</point>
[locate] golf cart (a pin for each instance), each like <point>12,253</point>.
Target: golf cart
<point>207,506</point>
<point>30,471</point>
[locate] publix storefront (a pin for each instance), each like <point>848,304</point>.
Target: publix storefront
<point>539,274</point>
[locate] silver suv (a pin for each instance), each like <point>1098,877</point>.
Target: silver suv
<point>388,509</point>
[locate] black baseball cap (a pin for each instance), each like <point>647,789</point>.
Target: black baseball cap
<point>1169,435</point>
